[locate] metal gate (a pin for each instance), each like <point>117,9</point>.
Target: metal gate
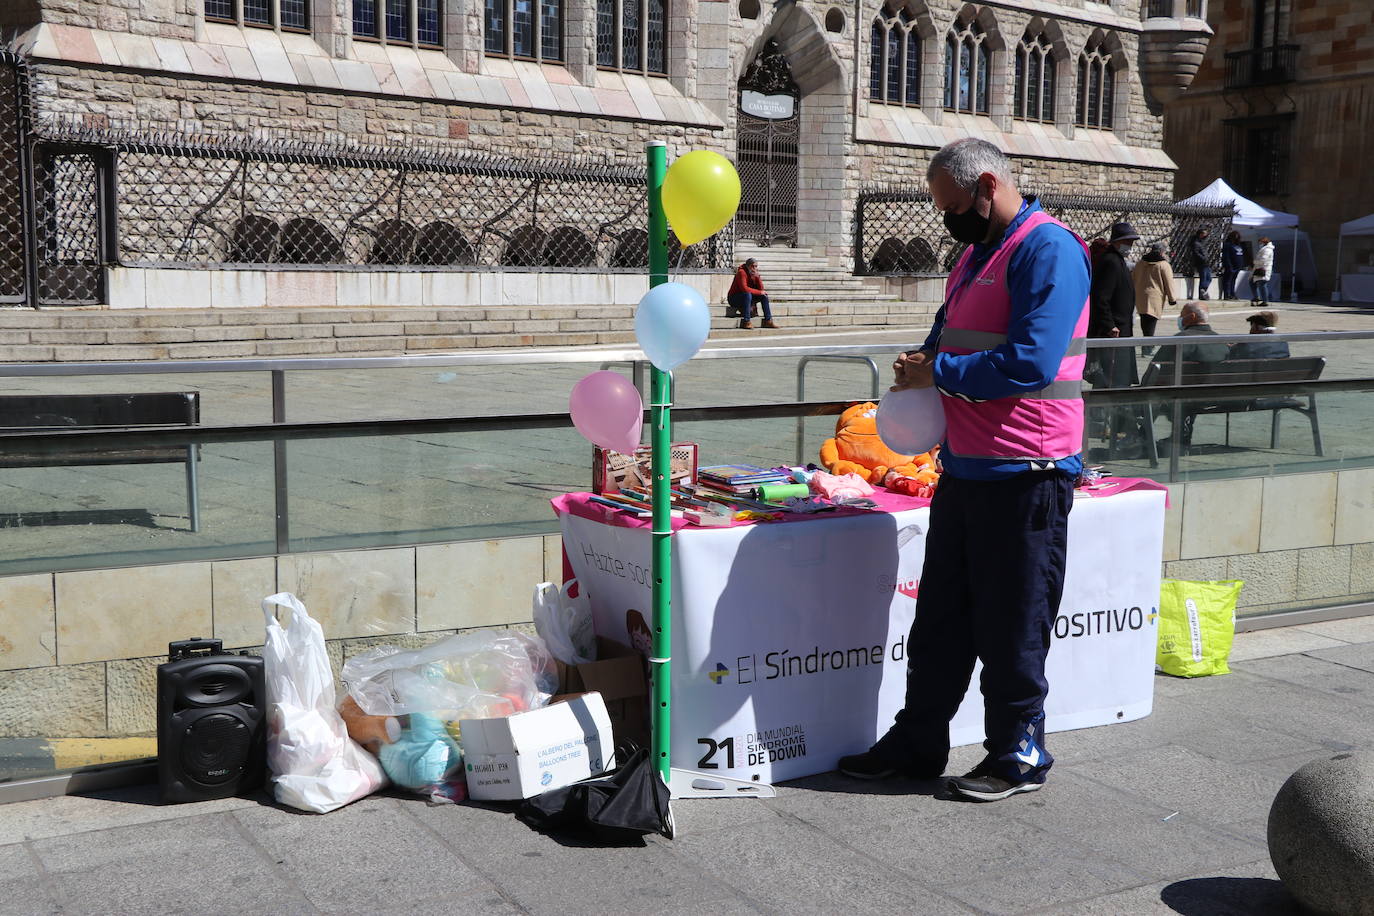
<point>767,160</point>
<point>13,258</point>
<point>768,131</point>
<point>55,227</point>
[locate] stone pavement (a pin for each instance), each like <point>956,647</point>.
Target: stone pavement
<point>1166,814</point>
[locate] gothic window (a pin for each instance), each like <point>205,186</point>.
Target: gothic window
<point>1034,79</point>
<point>1271,22</point>
<point>966,69</point>
<point>403,22</point>
<point>894,67</point>
<point>289,15</point>
<point>1096,88</point>
<point>632,35</point>
<point>524,29</point>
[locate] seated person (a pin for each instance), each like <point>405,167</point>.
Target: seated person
<point>746,292</point>
<point>1192,322</point>
<point>1261,323</point>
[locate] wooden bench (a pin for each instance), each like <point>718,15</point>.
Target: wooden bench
<point>1236,372</point>
<point>38,412</point>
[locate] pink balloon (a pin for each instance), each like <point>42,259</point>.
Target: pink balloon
<point>607,409</point>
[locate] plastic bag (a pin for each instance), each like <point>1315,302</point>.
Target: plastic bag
<point>474,675</point>
<point>315,766</point>
<point>471,675</point>
<point>1197,623</point>
<point>564,621</point>
<point>616,808</point>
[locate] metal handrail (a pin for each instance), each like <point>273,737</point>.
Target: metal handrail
<point>801,387</point>
<point>529,356</point>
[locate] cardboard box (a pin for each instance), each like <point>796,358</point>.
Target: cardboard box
<point>618,675</point>
<point>527,753</point>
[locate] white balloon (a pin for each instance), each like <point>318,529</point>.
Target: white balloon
<point>911,421</point>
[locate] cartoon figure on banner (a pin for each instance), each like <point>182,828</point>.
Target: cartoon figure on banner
<point>641,637</point>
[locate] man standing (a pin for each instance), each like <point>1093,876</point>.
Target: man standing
<point>1006,352</point>
<point>1202,262</point>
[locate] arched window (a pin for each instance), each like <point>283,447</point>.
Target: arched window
<point>1096,88</point>
<point>894,66</point>
<point>1034,79</point>
<point>966,69</point>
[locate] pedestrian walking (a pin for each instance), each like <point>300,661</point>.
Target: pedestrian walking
<point>1263,272</point>
<point>1232,263</point>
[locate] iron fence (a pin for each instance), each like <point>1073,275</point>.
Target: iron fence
<point>189,200</point>
<point>900,233</point>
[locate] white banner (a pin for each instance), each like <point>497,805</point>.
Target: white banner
<point>789,640</point>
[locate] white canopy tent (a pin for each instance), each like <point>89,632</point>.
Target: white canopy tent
<point>1362,226</point>
<point>1251,217</point>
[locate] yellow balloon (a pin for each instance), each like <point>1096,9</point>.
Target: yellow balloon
<point>700,195</point>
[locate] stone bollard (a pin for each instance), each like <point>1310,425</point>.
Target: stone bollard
<point>1321,835</point>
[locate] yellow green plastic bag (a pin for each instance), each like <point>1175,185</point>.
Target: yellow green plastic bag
<point>1197,622</point>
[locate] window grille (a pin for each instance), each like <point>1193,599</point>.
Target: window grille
<point>524,29</point>
<point>1035,66</point>
<point>289,15</point>
<point>1096,88</point>
<point>404,22</point>
<point>894,70</point>
<point>966,69</point>
<point>632,35</point>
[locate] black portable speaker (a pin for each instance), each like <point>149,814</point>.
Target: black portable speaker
<point>211,722</point>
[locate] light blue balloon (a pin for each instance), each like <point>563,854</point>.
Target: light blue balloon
<point>671,324</point>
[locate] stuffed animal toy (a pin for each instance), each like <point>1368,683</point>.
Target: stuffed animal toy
<point>424,757</point>
<point>370,731</point>
<point>856,448</point>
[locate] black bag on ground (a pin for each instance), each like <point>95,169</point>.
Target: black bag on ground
<point>617,807</point>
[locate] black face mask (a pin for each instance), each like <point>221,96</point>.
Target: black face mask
<point>968,227</point>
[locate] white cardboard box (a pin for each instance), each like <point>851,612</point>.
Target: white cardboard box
<point>527,753</point>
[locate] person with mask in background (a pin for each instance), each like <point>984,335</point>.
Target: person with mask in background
<point>1006,355</point>
<point>1232,263</point>
<point>1192,322</point>
<point>1263,272</point>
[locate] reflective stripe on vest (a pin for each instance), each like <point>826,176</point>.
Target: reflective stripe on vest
<point>986,340</point>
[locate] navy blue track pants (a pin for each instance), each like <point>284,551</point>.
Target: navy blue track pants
<point>990,589</point>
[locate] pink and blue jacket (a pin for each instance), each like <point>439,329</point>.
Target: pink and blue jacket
<point>1010,344</point>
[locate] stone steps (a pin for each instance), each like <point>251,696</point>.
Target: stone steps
<point>85,334</point>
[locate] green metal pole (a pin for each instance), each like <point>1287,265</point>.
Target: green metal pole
<point>661,438</point>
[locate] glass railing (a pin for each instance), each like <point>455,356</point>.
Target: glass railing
<point>308,455</point>
<point>314,455</point>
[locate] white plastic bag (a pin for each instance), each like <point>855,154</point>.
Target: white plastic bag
<point>315,766</point>
<point>564,621</point>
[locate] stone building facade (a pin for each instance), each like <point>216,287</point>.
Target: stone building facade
<point>815,102</point>
<point>1281,107</point>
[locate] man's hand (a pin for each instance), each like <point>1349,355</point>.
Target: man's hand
<point>915,369</point>
<point>1116,332</point>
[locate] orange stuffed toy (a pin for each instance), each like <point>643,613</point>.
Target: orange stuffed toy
<point>856,449</point>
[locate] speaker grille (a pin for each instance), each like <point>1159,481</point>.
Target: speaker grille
<point>215,749</point>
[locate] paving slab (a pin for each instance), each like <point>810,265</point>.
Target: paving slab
<point>1101,838</point>
<point>1278,641</point>
<point>198,864</point>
